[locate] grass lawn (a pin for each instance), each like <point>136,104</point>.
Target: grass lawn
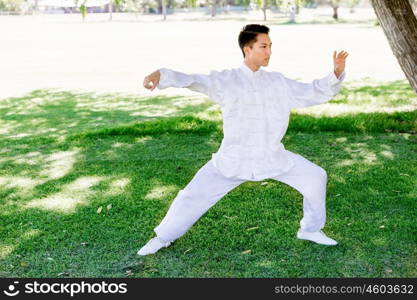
<point>84,179</point>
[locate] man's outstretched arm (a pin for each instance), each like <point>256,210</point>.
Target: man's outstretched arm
<point>320,90</point>
<point>209,85</point>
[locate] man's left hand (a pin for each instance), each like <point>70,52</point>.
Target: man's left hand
<point>339,60</point>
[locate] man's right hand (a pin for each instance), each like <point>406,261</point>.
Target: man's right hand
<point>152,80</point>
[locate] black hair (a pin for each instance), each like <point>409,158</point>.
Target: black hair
<point>248,35</point>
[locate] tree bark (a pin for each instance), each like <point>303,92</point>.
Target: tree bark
<point>335,15</point>
<point>164,10</point>
<point>213,8</point>
<point>292,13</point>
<point>264,9</point>
<point>400,27</point>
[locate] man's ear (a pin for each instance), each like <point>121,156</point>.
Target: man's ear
<point>246,50</point>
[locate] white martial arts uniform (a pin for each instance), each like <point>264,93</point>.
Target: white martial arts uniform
<point>256,108</point>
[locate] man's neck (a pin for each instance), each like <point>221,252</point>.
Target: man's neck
<point>252,66</point>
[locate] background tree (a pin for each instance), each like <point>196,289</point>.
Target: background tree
<point>134,6</point>
<point>110,9</point>
<point>335,5</point>
<point>264,7</point>
<point>191,3</point>
<point>292,11</point>
<point>164,9</point>
<point>11,5</point>
<point>82,5</point>
<point>277,4</point>
<point>242,2</point>
<point>352,4</point>
<point>298,4</point>
<point>400,27</point>
<point>214,4</point>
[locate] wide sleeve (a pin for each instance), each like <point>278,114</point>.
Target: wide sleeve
<point>317,92</point>
<point>210,85</point>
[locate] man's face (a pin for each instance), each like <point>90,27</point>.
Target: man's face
<point>261,50</point>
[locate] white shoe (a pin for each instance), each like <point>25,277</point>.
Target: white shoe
<point>153,245</point>
<point>318,237</point>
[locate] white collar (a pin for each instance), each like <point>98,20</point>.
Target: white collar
<point>248,72</point>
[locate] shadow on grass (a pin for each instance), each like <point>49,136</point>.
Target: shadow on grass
<point>394,94</point>
<point>48,113</point>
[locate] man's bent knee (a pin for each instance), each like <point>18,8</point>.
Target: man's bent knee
<point>322,173</point>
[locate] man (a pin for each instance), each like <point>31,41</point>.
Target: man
<point>256,106</point>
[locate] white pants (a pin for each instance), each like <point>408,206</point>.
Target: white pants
<point>208,186</point>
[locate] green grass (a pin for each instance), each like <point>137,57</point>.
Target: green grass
<point>64,155</point>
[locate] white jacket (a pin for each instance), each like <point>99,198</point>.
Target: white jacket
<point>256,108</point>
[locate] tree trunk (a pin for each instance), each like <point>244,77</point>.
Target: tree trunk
<point>164,9</point>
<point>292,14</point>
<point>264,9</point>
<point>335,15</point>
<point>110,9</point>
<point>213,8</point>
<point>400,27</point>
<point>413,4</point>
